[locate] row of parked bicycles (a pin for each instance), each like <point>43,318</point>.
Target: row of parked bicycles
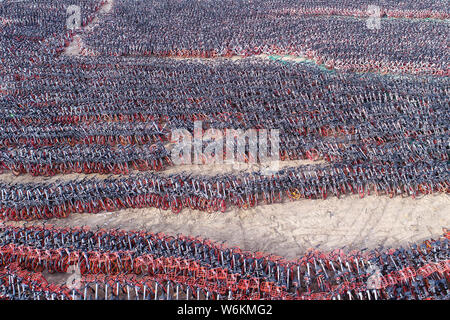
<point>278,27</point>
<point>46,133</point>
<point>359,8</point>
<point>84,159</point>
<point>257,89</point>
<point>106,159</point>
<point>31,201</point>
<point>107,133</point>
<point>135,265</point>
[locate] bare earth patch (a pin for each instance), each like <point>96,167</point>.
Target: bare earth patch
<point>289,229</point>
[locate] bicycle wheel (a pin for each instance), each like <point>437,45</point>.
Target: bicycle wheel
<point>176,205</point>
<point>109,204</point>
<point>221,205</point>
<point>165,202</point>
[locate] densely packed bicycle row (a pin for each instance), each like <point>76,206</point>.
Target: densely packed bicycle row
<point>116,264</point>
<point>216,193</point>
<point>40,23</point>
<point>228,28</point>
<point>236,92</point>
<point>358,8</point>
<point>314,122</point>
<point>104,159</point>
<point>111,134</point>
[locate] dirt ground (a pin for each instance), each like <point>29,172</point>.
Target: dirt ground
<point>290,228</point>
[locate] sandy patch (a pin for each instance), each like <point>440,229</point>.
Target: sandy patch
<point>289,229</point>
